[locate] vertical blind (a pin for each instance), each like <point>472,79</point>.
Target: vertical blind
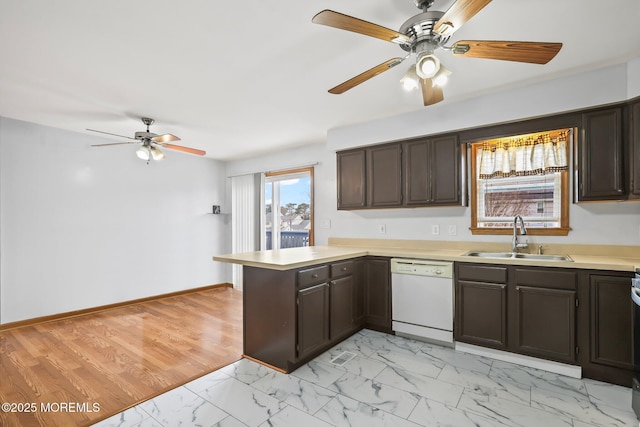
<point>243,220</point>
<point>531,155</point>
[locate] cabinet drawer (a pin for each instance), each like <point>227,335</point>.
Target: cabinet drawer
<point>342,268</point>
<point>482,273</point>
<point>552,278</point>
<point>312,276</point>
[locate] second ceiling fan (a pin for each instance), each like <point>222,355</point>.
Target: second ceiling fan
<point>423,34</point>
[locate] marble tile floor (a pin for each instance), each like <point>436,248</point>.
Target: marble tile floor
<point>392,381</point>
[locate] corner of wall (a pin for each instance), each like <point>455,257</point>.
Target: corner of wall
<point>633,78</point>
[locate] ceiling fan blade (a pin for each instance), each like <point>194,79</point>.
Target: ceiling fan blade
<point>113,143</point>
<point>431,94</point>
<point>363,77</point>
<point>459,13</point>
<point>185,149</point>
<point>113,134</point>
<point>530,52</point>
<point>349,23</point>
<point>167,137</point>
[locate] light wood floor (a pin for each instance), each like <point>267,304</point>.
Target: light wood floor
<point>116,358</point>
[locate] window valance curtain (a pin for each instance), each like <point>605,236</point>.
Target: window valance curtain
<point>523,156</point>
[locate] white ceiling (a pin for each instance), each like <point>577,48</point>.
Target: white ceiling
<point>238,78</point>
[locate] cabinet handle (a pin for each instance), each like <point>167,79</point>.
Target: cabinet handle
<point>344,268</point>
<point>314,276</point>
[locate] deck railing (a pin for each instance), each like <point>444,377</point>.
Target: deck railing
<point>290,239</point>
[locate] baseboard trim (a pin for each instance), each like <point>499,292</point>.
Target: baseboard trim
<point>75,313</point>
<point>573,371</point>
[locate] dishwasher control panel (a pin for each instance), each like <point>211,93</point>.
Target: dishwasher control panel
<point>421,267</point>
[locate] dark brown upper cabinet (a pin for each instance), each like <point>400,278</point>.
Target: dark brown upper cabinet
<point>432,171</point>
<point>634,144</point>
<point>423,172</point>
<point>600,156</point>
<point>384,176</point>
<point>351,166</point>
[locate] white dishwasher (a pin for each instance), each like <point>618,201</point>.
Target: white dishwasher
<point>422,299</point>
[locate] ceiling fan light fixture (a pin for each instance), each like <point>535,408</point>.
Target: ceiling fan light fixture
<point>441,77</point>
<point>143,153</point>
<point>427,66</point>
<point>410,81</point>
<point>156,154</point>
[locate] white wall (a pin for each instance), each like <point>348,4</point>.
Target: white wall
<point>596,87</point>
<point>633,76</point>
<point>82,227</point>
<point>604,223</point>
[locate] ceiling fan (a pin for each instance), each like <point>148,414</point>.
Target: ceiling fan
<point>423,34</point>
<point>150,142</point>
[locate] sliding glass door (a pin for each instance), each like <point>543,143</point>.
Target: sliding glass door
<point>288,209</point>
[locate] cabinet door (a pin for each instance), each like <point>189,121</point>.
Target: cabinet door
<point>634,187</point>
<point>417,180</point>
<point>611,321</point>
<point>601,156</point>
<point>342,321</point>
<point>481,313</point>
<point>351,177</point>
<point>384,176</point>
<point>378,294</point>
<point>545,323</point>
<point>313,319</point>
<point>432,172</point>
<point>445,171</point>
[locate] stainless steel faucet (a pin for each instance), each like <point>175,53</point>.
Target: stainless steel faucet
<point>523,231</point>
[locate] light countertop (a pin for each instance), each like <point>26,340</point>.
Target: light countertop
<point>584,256</point>
<point>287,259</point>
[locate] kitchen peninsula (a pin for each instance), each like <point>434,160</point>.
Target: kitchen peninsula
<point>299,302</point>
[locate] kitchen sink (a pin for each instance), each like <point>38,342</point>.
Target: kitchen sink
<point>512,255</point>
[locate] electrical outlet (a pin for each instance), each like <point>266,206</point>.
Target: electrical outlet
<point>382,228</point>
<point>435,229</point>
<point>325,223</point>
<point>453,230</point>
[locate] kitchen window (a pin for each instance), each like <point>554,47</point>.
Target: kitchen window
<point>288,209</point>
<point>525,175</point>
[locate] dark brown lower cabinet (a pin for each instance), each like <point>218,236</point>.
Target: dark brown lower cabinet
<point>377,294</point>
<point>481,315</point>
<point>341,319</point>
<point>292,316</point>
<point>526,310</point>
<point>543,311</point>
<point>481,305</point>
<point>358,292</point>
<point>605,326</point>
<point>313,319</point>
<point>269,315</point>
<point>611,314</point>
<point>574,316</point>
<point>545,323</point>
